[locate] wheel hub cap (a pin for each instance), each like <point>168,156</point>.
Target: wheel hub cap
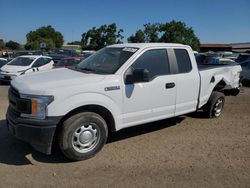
<point>218,107</point>
<point>86,137</point>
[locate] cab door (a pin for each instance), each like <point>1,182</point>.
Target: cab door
<point>154,99</point>
<point>187,83</point>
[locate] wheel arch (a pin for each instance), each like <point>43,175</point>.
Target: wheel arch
<point>220,85</point>
<point>100,110</point>
<point>217,83</point>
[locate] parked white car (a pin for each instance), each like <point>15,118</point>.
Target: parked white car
<point>23,65</point>
<point>120,86</point>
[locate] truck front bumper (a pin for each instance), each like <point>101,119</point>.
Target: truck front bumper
<point>38,133</point>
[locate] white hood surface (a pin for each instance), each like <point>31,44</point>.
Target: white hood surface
<point>14,68</point>
<point>40,82</point>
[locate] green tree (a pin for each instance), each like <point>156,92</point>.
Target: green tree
<point>46,34</point>
<point>97,38</point>
<point>2,44</point>
<point>174,32</point>
<point>12,45</point>
<point>178,32</point>
<point>138,37</point>
<point>151,32</point>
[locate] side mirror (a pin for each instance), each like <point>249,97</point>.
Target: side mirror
<point>136,75</point>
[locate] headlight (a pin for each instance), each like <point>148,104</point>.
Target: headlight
<point>38,106</point>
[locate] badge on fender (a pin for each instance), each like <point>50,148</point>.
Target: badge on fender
<point>112,88</point>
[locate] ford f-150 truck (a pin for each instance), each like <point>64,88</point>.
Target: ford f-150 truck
<point>120,86</point>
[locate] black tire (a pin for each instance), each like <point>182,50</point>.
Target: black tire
<point>211,110</point>
<point>77,130</point>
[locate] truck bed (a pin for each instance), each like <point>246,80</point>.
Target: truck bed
<point>212,74</point>
<point>202,67</point>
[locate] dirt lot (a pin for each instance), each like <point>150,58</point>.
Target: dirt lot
<point>187,151</point>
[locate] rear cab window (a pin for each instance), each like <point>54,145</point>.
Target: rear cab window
<point>183,60</point>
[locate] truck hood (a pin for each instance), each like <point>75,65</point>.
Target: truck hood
<point>13,68</point>
<point>39,83</point>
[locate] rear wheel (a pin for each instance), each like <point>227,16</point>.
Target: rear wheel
<point>215,105</point>
<point>83,135</point>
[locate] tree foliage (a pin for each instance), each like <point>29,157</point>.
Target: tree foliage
<point>170,32</point>
<point>139,36</point>
<point>151,32</point>
<point>148,34</point>
<point>178,32</point>
<point>97,38</point>
<point>12,45</point>
<point>46,34</point>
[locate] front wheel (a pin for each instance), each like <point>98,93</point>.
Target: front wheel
<point>83,135</point>
<point>215,105</point>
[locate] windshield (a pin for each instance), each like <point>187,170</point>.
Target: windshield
<point>22,61</point>
<point>107,60</point>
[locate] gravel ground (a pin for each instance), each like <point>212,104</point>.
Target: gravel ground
<point>188,151</point>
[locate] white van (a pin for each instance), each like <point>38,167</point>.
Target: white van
<point>25,64</point>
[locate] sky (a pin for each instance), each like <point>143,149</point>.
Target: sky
<point>214,21</point>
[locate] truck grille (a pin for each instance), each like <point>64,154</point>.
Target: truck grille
<point>18,104</point>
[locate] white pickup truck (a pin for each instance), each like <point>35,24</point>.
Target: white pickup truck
<point>120,86</point>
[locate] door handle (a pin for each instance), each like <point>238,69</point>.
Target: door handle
<point>170,85</point>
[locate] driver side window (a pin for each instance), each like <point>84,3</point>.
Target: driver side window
<point>38,63</point>
<point>155,61</point>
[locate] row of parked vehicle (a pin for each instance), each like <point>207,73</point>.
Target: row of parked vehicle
<point>226,58</point>
<point>32,61</point>
<point>26,62</point>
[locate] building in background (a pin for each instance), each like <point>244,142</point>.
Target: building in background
<point>241,47</point>
<point>235,47</point>
<point>215,47</point>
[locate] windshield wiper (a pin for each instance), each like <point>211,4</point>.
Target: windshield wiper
<point>86,69</point>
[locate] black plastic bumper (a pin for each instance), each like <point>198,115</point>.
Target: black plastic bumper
<point>38,133</point>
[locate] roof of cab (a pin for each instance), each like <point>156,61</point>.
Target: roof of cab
<point>147,45</point>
